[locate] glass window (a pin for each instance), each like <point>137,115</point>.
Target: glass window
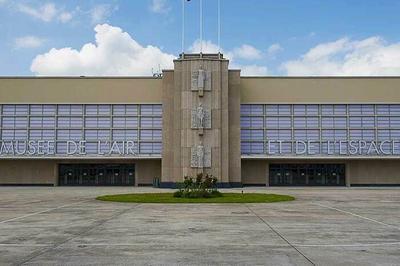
<point>272,110</point>
<point>395,109</point>
<point>119,109</point>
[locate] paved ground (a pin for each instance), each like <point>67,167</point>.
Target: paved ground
<point>66,226</point>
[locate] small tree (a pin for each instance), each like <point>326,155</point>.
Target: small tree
<point>199,187</point>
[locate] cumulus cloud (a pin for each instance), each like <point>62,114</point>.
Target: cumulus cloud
<point>206,46</point>
<point>274,49</point>
<point>246,70</point>
<point>159,6</point>
<point>28,42</point>
<point>101,13</point>
<point>247,52</point>
<point>253,70</point>
<point>46,12</point>
<point>114,53</point>
<point>345,57</point>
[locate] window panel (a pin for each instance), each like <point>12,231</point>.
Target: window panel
<point>245,147</point>
<point>8,109</point>
<point>382,109</point>
<point>285,109</point>
<point>91,109</point>
<point>66,122</point>
<point>327,109</point>
<point>257,147</point>
<point>76,109</point>
<point>245,109</point>
<point>395,121</point>
<point>395,109</point>
<point>272,110</point>
<point>132,109</point>
<point>119,109</point>
<point>21,109</point>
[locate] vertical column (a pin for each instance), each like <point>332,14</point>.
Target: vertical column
<point>197,132</point>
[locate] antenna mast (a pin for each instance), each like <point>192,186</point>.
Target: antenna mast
<point>183,27</point>
<point>201,26</point>
<point>219,26</point>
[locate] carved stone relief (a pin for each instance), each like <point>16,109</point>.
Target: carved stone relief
<point>201,118</point>
<point>201,80</point>
<point>200,157</point>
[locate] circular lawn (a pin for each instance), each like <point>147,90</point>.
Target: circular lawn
<point>169,198</point>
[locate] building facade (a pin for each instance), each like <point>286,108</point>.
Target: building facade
<point>200,117</point>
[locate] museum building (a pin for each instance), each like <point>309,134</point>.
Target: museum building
<point>200,117</point>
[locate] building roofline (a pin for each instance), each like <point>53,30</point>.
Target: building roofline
<point>320,77</point>
<point>78,77</point>
<point>170,70</point>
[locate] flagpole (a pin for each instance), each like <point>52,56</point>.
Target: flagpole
<point>201,26</point>
<point>219,26</point>
<point>183,27</point>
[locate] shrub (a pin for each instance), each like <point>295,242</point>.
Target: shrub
<point>199,187</point>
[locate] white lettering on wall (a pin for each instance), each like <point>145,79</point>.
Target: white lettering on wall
<point>339,147</point>
<point>73,148</point>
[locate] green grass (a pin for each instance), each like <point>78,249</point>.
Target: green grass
<point>168,198</point>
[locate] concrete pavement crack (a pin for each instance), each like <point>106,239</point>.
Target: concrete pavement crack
<point>280,235</point>
<point>81,233</point>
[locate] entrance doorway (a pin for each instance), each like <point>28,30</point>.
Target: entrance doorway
<point>96,175</point>
<point>307,175</point>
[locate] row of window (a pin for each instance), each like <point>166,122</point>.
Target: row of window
<point>76,134</point>
<point>79,109</point>
<point>79,122</point>
<point>323,109</point>
<point>329,134</point>
<point>323,122</point>
<point>317,148</point>
<point>91,123</point>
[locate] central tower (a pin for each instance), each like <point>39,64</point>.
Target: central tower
<point>201,120</point>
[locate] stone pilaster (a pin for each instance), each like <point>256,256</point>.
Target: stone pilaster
<point>196,119</point>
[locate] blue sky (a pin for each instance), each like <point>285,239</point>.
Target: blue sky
<point>286,37</point>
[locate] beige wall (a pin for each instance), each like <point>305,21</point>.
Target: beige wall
<point>171,129</point>
<point>30,172</point>
<point>254,172</point>
<point>146,170</point>
<point>374,172</point>
<point>150,90</point>
<point>320,90</point>
<point>234,127</point>
<point>41,172</point>
<point>80,90</point>
<point>358,172</point>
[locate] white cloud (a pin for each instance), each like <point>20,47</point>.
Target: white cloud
<point>28,42</point>
<point>114,53</point>
<point>159,6</point>
<point>246,70</point>
<point>208,47</point>
<point>46,12</point>
<point>344,57</point>
<point>100,13</point>
<point>253,70</point>
<point>274,49</point>
<point>64,17</point>
<point>247,52</point>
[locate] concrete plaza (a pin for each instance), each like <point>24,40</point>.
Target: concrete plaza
<point>324,226</point>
